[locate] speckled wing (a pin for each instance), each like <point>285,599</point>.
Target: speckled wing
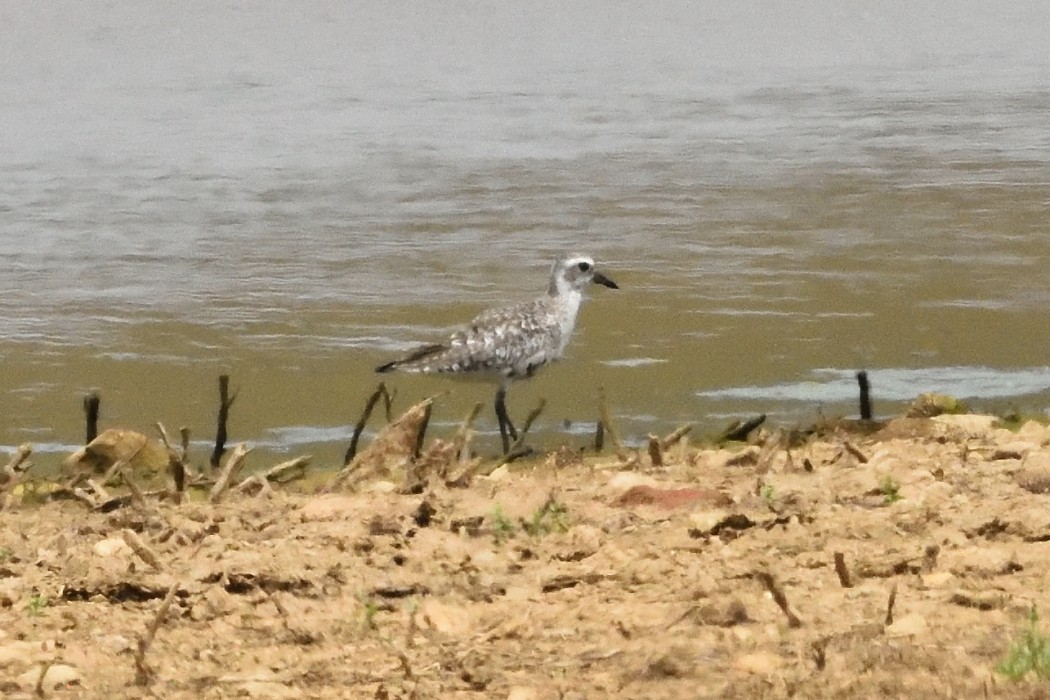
<point>512,341</point>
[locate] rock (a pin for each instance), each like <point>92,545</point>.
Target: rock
<point>669,498</point>
<point>932,404</point>
<point>146,459</point>
<point>520,692</point>
<point>1034,474</point>
<point>745,458</point>
<point>56,676</point>
<point>111,546</point>
<point>968,423</point>
<point>330,507</point>
<point>444,618</point>
<point>761,663</point>
<point>908,626</point>
<point>1013,450</point>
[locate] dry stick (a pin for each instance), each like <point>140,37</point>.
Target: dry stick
<point>603,408</point>
<point>91,404</point>
<point>16,467</point>
<point>99,490</point>
<point>380,391</point>
<point>890,603</point>
<point>778,595</point>
<point>143,673</point>
<point>233,464</point>
<point>599,436</point>
<point>142,549</point>
<point>842,571</point>
<point>865,395</point>
<point>672,438</point>
<point>421,434</point>
<point>738,432</point>
<point>288,471</point>
<point>137,497</point>
<point>656,455</point>
<point>176,466</point>
<point>225,401</point>
<point>855,451</point>
<point>515,449</point>
<point>463,432</point>
<point>184,452</point>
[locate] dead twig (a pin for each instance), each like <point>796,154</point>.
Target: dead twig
<point>176,465</point>
<point>608,428</point>
<point>853,450</point>
<point>738,432</point>
<point>370,405</point>
<point>889,605</point>
<point>15,469</point>
<point>143,672</point>
<point>91,404</point>
<point>527,425</point>
<point>667,441</point>
<point>225,402</point>
<point>777,592</point>
<point>842,571</point>
<point>288,471</point>
<point>143,550</point>
<point>137,497</point>
<point>656,454</point>
<point>229,471</point>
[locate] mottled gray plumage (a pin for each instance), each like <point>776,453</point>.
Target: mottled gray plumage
<point>512,342</point>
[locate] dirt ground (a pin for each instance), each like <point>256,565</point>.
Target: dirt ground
<point>575,576</point>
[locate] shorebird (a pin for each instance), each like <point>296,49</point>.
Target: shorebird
<point>512,342</point>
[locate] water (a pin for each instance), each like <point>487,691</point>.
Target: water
<point>293,194</point>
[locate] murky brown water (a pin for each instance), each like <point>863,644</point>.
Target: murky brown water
<point>294,195</point>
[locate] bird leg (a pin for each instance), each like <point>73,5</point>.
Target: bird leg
<point>505,426</point>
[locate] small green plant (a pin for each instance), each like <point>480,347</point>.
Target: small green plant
<point>1030,653</point>
<point>552,516</point>
<point>891,489</point>
<point>369,609</point>
<point>36,604</point>
<point>5,554</point>
<point>768,492</point>
<point>502,526</point>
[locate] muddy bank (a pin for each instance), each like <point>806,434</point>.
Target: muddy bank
<point>900,563</point>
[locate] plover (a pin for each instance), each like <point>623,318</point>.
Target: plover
<point>512,342</point>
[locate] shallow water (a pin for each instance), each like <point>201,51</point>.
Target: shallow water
<point>293,195</point>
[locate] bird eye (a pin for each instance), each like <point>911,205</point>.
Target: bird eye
<point>584,266</point>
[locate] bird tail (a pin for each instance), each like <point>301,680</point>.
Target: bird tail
<point>416,355</point>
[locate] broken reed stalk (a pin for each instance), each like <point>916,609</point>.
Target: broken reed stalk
<point>229,471</point>
<point>143,672</point>
<point>667,441</point>
<point>16,467</point>
<point>738,432</point>
<point>288,471</point>
<point>380,392</point>
<point>421,433</point>
<point>184,449</point>
<point>890,603</point>
<point>143,550</point>
<point>225,401</point>
<point>842,571</point>
<point>865,395</point>
<point>778,596</point>
<point>137,497</point>
<point>176,465</point>
<point>607,424</point>
<point>656,455</point>
<point>91,404</point>
<point>855,451</point>
<point>527,425</point>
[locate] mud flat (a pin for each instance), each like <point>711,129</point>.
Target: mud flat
<point>901,562</point>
